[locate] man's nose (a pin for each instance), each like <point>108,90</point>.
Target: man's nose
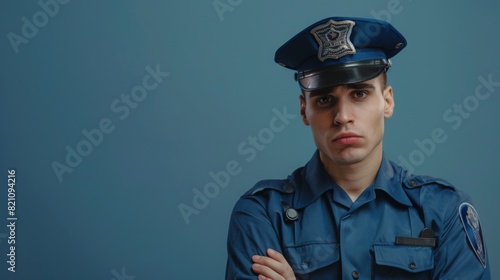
<point>343,112</point>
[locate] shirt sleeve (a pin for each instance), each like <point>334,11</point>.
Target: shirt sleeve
<point>250,233</point>
<point>456,256</point>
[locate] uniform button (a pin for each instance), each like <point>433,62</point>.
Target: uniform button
<point>412,266</point>
<point>291,214</point>
<point>399,45</point>
<point>412,183</point>
<point>355,274</point>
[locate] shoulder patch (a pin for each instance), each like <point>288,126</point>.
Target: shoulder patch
<point>472,227</point>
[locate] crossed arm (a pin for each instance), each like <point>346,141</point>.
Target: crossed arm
<point>272,267</point>
<point>250,237</point>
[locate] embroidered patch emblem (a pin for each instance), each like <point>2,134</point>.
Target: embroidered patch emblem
<point>333,39</point>
<point>470,221</point>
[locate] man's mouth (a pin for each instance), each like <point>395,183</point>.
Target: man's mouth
<point>347,138</point>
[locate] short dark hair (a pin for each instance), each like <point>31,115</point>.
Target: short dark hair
<point>384,79</point>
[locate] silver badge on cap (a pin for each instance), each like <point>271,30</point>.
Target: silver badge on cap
<point>333,39</point>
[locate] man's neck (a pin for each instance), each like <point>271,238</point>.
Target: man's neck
<point>355,178</point>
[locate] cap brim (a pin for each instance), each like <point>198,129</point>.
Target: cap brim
<point>340,76</point>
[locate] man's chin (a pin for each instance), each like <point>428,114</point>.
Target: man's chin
<point>346,156</point>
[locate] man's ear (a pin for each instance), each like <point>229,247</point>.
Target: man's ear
<point>388,102</point>
<point>303,109</point>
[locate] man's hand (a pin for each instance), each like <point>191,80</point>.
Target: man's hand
<point>272,267</point>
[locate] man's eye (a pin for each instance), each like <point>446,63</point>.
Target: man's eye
<point>360,94</point>
<point>324,100</point>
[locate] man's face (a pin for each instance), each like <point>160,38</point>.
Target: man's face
<point>347,121</point>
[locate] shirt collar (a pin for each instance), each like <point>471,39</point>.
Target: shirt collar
<point>389,180</point>
<point>316,181</point>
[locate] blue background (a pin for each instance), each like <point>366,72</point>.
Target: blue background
<point>116,215</point>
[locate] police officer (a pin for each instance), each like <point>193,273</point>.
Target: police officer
<point>350,213</point>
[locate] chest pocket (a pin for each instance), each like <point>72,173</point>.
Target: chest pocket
<point>305,259</point>
<point>403,262</point>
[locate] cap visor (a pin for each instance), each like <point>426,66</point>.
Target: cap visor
<point>336,77</point>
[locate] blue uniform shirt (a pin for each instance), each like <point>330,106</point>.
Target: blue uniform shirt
<point>335,238</point>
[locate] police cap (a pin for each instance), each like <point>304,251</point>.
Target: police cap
<point>340,50</point>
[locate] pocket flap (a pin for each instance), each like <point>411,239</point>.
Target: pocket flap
<point>307,258</point>
<point>409,258</point>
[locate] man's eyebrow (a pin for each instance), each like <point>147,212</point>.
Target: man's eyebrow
<point>320,92</point>
<point>360,86</point>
